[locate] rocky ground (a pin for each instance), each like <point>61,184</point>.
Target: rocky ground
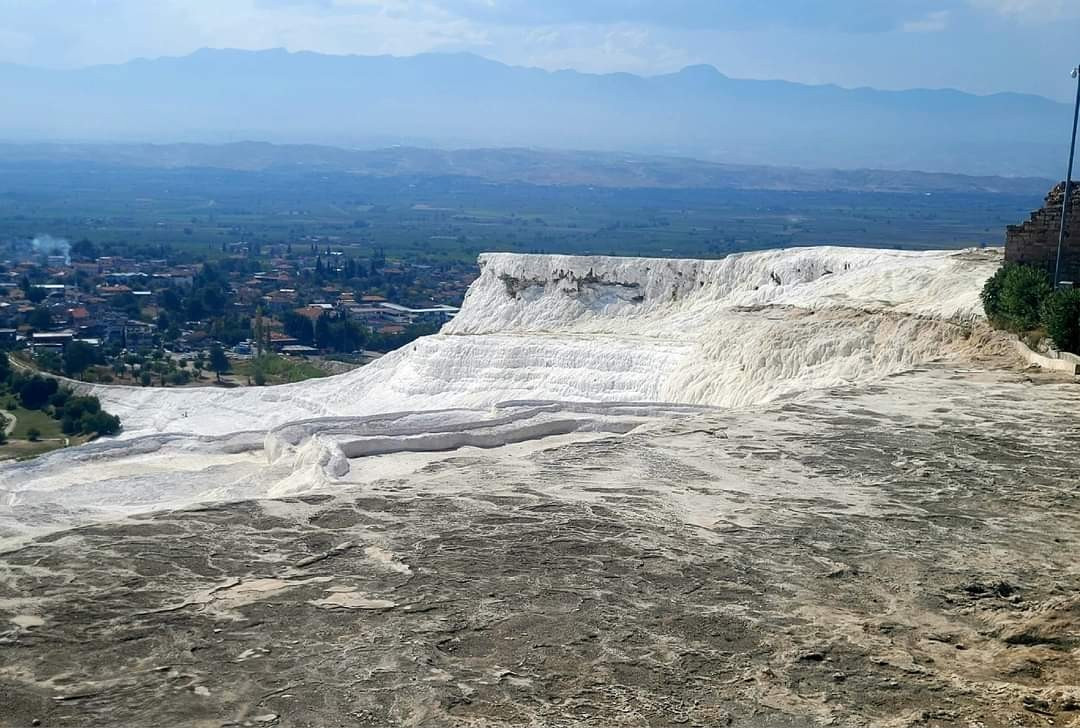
<point>898,554</point>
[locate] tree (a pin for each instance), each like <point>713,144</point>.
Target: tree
<point>169,300</point>
<point>1013,296</point>
<point>299,327</point>
<point>127,303</point>
<point>36,294</point>
<point>34,392</point>
<point>76,407</point>
<point>84,250</point>
<point>219,363</point>
<point>78,356</point>
<point>1061,317</point>
<point>48,360</point>
<point>99,423</point>
<point>40,319</point>
<point>33,434</point>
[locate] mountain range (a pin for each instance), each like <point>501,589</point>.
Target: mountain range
<point>464,101</point>
<point>542,167</point>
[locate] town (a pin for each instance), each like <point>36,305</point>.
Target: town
<point>248,315</point>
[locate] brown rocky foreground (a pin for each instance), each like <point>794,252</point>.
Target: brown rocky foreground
<point>901,554</point>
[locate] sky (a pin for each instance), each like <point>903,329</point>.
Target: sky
<point>981,46</point>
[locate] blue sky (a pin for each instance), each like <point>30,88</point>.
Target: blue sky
<point>975,45</point>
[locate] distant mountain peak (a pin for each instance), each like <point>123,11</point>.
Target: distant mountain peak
<point>465,100</point>
<point>702,70</point>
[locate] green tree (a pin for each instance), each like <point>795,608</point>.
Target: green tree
<point>34,392</point>
<point>39,319</point>
<point>1061,317</point>
<point>78,356</point>
<point>49,360</point>
<point>33,434</point>
<point>84,250</point>
<point>219,363</point>
<point>1014,295</point>
<point>126,303</point>
<point>99,423</point>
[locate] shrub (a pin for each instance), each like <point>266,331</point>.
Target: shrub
<point>77,406</point>
<point>100,423</point>
<point>34,392</point>
<point>1013,296</point>
<point>1061,317</point>
<point>33,434</point>
<point>260,377</point>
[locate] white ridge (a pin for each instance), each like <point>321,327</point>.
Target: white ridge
<point>545,348</point>
<point>734,332</point>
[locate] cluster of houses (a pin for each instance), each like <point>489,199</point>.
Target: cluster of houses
<point>78,311</point>
<point>81,299</point>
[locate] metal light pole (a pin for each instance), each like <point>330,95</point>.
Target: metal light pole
<point>1068,180</point>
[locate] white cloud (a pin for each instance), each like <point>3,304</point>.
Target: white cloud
<point>1031,11</point>
<point>930,23</point>
<point>590,48</point>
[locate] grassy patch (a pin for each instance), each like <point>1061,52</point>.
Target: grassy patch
<point>24,449</point>
<point>278,369</point>
<point>35,419</point>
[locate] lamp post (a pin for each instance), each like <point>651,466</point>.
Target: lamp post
<point>1068,180</point>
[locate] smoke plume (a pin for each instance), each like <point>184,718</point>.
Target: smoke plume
<point>49,245</point>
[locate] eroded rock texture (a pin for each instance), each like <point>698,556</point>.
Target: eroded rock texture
<point>898,554</point>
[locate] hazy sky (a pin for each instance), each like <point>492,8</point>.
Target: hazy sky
<point>976,45</point>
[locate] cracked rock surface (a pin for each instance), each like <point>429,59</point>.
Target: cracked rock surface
<point>903,553</point>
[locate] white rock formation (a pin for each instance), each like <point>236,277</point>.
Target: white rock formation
<point>734,332</point>
<point>544,347</point>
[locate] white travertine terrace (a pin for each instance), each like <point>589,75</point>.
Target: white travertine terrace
<point>544,347</point>
<point>740,331</point>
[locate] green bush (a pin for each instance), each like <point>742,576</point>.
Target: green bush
<point>99,423</point>
<point>1061,317</point>
<point>35,391</point>
<point>33,434</point>
<point>1014,295</point>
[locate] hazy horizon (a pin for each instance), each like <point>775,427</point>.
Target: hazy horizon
<point>524,66</point>
<point>911,44</point>
<point>467,101</point>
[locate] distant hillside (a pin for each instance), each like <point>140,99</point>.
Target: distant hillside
<point>539,167</point>
<point>465,101</point>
